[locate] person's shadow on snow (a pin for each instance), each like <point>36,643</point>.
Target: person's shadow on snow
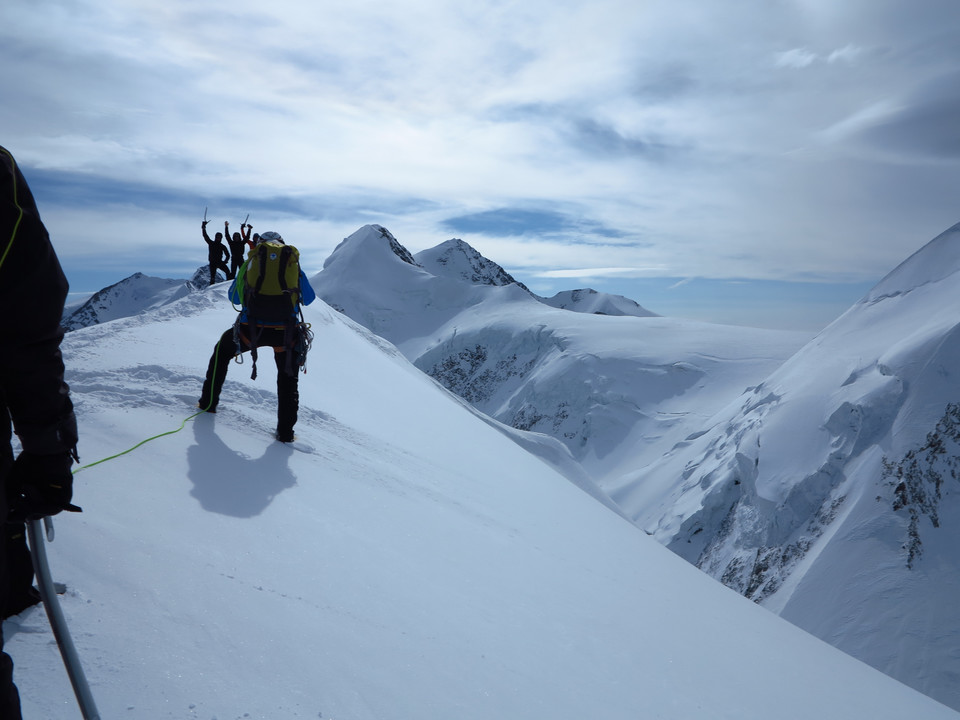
<point>228,482</point>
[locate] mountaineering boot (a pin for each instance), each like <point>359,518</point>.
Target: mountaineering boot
<point>285,436</point>
<point>28,599</point>
<point>17,605</point>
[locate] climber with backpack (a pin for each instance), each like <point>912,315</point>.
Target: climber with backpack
<point>270,289</point>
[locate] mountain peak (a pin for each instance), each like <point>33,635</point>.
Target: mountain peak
<point>459,260</point>
<point>130,296</point>
<point>588,300</point>
<point>370,241</point>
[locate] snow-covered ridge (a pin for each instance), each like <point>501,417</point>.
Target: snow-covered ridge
<point>936,261</point>
<point>406,559</point>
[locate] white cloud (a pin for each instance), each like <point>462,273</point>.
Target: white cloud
<point>863,118</point>
<point>585,273</point>
<point>796,58</point>
<point>848,53</point>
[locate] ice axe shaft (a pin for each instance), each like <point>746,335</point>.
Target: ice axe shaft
<point>58,622</point>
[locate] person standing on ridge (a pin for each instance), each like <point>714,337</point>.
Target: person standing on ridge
<point>245,230</point>
<point>270,288</point>
<point>34,399</point>
<point>237,245</point>
<point>216,253</point>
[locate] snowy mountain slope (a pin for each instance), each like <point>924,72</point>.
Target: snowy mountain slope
<point>413,564</point>
<point>828,493</point>
<point>132,295</point>
<point>615,390</point>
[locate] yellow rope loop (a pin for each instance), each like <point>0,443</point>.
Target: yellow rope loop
<point>163,434</point>
<point>142,442</point>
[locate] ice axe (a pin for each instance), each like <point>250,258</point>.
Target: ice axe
<point>58,622</point>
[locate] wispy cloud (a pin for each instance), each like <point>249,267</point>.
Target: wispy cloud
<point>796,58</point>
<point>533,222</point>
<point>594,273</point>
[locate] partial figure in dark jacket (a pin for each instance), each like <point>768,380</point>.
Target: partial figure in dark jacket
<point>283,334</point>
<point>237,246</point>
<point>34,399</point>
<point>217,254</point>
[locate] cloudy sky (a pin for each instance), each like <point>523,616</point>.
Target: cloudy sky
<point>747,161</point>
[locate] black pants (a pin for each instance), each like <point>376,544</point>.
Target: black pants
<point>219,264</point>
<point>288,393</point>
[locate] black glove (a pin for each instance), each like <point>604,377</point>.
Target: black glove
<point>45,485</point>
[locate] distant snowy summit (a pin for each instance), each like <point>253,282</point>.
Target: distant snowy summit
<point>132,296</point>
<point>373,244</point>
<point>597,303</point>
<point>457,259</point>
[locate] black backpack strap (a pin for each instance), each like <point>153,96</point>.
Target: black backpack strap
<point>297,296</point>
<point>262,257</point>
<point>255,331</point>
<point>282,267</point>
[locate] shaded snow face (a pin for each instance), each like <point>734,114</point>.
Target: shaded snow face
<point>533,380</point>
